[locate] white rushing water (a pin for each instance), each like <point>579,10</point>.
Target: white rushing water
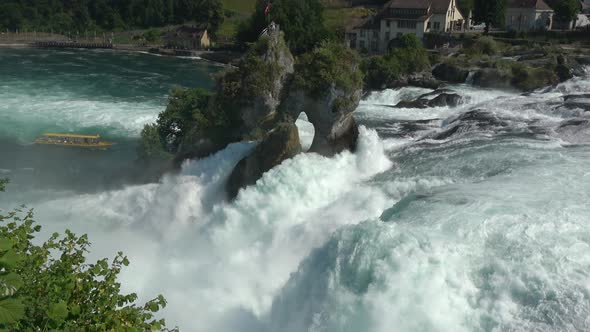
<point>484,228</point>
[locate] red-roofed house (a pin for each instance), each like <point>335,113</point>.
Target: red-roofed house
<point>528,15</point>
<point>399,17</point>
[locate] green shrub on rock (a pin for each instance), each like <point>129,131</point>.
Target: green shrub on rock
<point>330,63</point>
<point>410,58</point>
<point>528,78</point>
<point>483,46</point>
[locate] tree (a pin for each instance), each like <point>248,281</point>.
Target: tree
<point>11,16</point>
<point>51,287</point>
<point>302,21</point>
<point>209,13</point>
<point>187,108</point>
<point>465,6</point>
<point>489,12</point>
<point>566,10</point>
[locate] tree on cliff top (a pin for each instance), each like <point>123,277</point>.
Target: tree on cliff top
<point>489,12</point>
<point>302,21</point>
<point>566,10</point>
<point>465,6</point>
<point>51,287</point>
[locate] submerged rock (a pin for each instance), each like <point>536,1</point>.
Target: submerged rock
<point>278,145</point>
<point>576,131</point>
<point>581,101</point>
<point>472,121</point>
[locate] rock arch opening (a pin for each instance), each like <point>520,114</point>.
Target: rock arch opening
<point>306,131</point>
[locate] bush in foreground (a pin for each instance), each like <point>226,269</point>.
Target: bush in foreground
<point>51,287</point>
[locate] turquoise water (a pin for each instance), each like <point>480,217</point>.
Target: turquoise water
<point>486,228</point>
<point>89,92</point>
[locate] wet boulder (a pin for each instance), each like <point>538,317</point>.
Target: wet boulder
<point>278,145</point>
<point>491,78</point>
<point>446,99</point>
<point>580,101</point>
<point>442,98</point>
<point>472,121</point>
<point>450,73</point>
<point>418,103</point>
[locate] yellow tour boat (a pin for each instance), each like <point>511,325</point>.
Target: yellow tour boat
<point>73,140</point>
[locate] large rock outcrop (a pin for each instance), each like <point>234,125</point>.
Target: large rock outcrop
<point>278,145</point>
<point>450,73</point>
<point>331,116</point>
<point>327,86</point>
<point>492,78</point>
<point>253,89</point>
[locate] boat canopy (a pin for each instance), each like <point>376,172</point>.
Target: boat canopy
<point>57,135</point>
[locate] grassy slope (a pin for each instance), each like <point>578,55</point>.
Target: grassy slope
<point>336,15</point>
<point>243,7</point>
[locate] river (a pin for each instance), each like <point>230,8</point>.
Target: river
<point>485,227</point>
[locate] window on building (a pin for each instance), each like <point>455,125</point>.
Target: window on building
<point>388,23</point>
<point>406,24</point>
<point>428,26</point>
<point>387,36</point>
<point>362,33</point>
<point>437,26</point>
<point>362,44</point>
<point>375,34</point>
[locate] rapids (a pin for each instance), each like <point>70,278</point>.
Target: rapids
<point>485,228</point>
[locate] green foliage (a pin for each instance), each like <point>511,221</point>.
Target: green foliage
<point>301,20</point>
<point>3,183</point>
<point>51,287</point>
<point>465,6</point>
<point>331,64</point>
<point>490,12</point>
<point>187,108</point>
<point>381,71</point>
<point>566,10</point>
<point>80,15</point>
<point>410,40</point>
<point>152,35</point>
<point>152,146</point>
<point>527,78</point>
<point>483,46</point>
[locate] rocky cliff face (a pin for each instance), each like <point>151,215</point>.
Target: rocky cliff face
<point>275,55</point>
<point>278,145</point>
<point>327,86</point>
<point>265,94</point>
<point>331,116</point>
<point>252,91</point>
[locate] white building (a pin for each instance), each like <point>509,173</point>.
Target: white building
<point>398,17</point>
<point>528,15</point>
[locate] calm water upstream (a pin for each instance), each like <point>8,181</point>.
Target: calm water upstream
<point>473,218</point>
